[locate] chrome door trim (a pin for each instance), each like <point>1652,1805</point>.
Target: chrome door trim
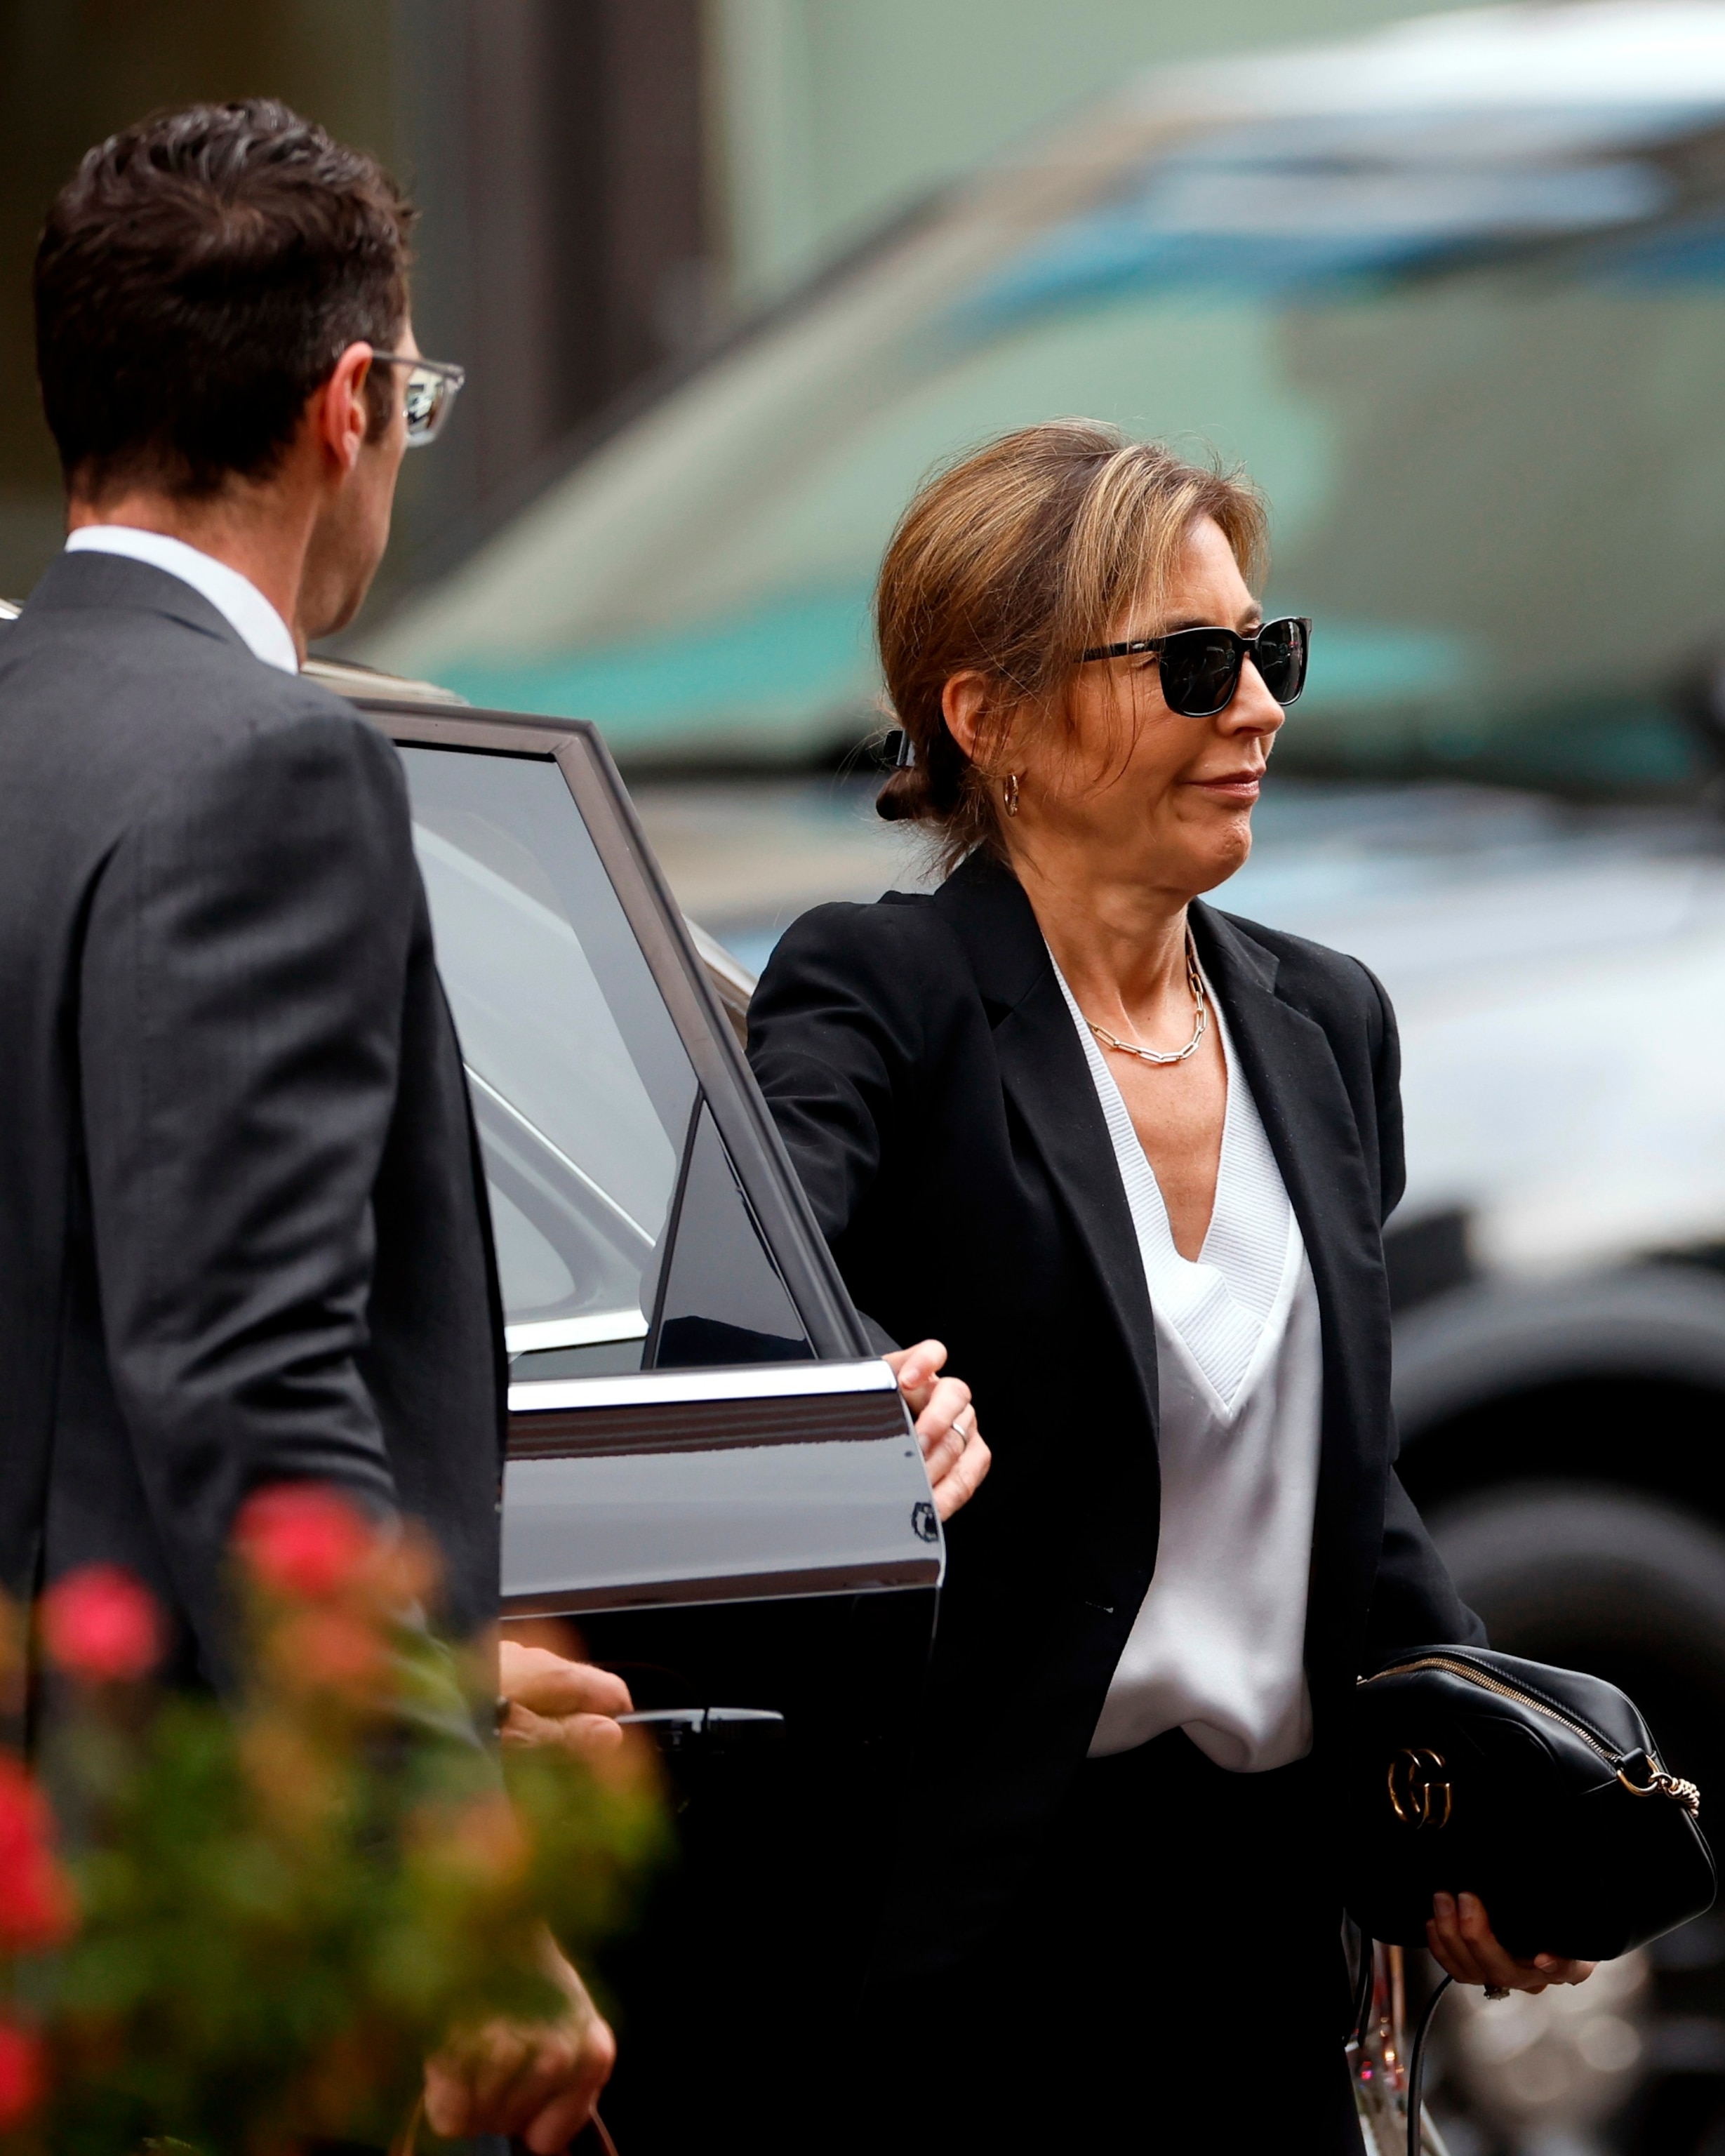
<point>752,1380</point>
<point>709,1425</point>
<point>593,1328</point>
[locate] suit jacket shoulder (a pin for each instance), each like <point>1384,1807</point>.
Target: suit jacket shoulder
<point>121,670</point>
<point>891,973</point>
<point>1329,985</point>
<point>899,938</point>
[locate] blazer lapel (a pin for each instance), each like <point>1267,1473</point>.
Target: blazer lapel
<point>1308,1116</point>
<point>1309,1120</point>
<point>1045,1076</point>
<point>1298,1090</point>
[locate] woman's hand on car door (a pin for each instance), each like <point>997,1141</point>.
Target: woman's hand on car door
<point>953,1449</point>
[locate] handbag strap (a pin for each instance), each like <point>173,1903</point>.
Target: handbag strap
<point>1362,1991</point>
<point>1416,2070</point>
<point>1416,2053</point>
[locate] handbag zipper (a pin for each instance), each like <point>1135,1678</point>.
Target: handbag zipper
<point>1658,1783</point>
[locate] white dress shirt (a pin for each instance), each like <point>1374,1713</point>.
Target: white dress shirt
<point>1218,1648</point>
<point>235,597</point>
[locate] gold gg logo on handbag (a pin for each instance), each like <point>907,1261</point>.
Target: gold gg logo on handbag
<point>1418,1788</point>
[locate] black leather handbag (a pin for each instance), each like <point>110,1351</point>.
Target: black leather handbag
<point>1539,1790</point>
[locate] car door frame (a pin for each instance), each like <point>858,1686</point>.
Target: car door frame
<point>847,1393</point>
<point>744,1123</point>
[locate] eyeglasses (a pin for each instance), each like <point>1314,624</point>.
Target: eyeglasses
<point>1198,669</point>
<point>433,386</point>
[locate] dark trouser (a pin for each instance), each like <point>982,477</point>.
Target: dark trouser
<point>1171,1979</point>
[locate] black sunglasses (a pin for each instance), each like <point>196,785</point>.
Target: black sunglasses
<point>1198,669</point>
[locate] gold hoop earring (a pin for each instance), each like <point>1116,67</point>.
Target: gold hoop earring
<point>1009,794</point>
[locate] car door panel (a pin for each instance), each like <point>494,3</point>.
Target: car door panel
<point>710,1477</point>
<point>630,1491</point>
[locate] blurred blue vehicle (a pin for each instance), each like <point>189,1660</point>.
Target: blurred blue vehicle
<point>1453,295</point>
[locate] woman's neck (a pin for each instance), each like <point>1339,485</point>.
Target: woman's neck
<point>1119,940</point>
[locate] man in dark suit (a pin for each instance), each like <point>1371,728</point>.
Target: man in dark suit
<point>244,1235</point>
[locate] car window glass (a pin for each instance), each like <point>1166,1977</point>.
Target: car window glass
<point>582,1090</point>
<point>723,1301</point>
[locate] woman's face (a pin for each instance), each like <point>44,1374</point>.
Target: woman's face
<point>1141,784</point>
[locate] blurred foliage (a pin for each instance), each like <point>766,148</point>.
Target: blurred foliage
<point>264,1916</point>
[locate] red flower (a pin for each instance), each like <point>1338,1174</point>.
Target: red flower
<point>101,1624</point>
<point>36,1907</point>
<point>304,1540</point>
<point>23,2074</point>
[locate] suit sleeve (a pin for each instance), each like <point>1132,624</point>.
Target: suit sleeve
<point>241,995</point>
<point>835,1044</point>
<point>1387,1100</point>
<point>1414,1603</point>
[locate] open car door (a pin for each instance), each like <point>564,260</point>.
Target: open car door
<point>711,1473</point>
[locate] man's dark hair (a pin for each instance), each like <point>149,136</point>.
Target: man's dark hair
<point>198,278</point>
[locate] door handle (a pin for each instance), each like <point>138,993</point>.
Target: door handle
<point>709,1731</point>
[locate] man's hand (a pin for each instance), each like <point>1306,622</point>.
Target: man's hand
<point>954,1455</point>
<point>553,1701</point>
<point>539,2083</point>
<point>1461,1939</point>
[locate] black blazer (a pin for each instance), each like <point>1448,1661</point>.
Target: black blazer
<point>243,1227</point>
<point>924,1072</point>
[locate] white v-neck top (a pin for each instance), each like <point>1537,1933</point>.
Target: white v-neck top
<point>1218,1647</point>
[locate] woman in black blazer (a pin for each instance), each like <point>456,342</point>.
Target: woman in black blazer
<point>1130,1158</point>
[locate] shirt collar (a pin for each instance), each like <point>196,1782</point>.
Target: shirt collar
<point>235,597</point>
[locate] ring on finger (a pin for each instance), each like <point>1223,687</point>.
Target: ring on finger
<point>1495,1991</point>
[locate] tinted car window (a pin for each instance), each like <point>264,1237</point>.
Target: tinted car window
<point>601,1155</point>
<point>723,1301</point>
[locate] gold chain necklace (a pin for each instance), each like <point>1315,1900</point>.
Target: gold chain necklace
<point>1195,981</point>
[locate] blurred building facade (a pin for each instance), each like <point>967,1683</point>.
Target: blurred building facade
<point>606,182</point>
<point>837,113</point>
<point>72,70</point>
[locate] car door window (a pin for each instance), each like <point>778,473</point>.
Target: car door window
<point>720,1302</point>
<point>600,1152</point>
